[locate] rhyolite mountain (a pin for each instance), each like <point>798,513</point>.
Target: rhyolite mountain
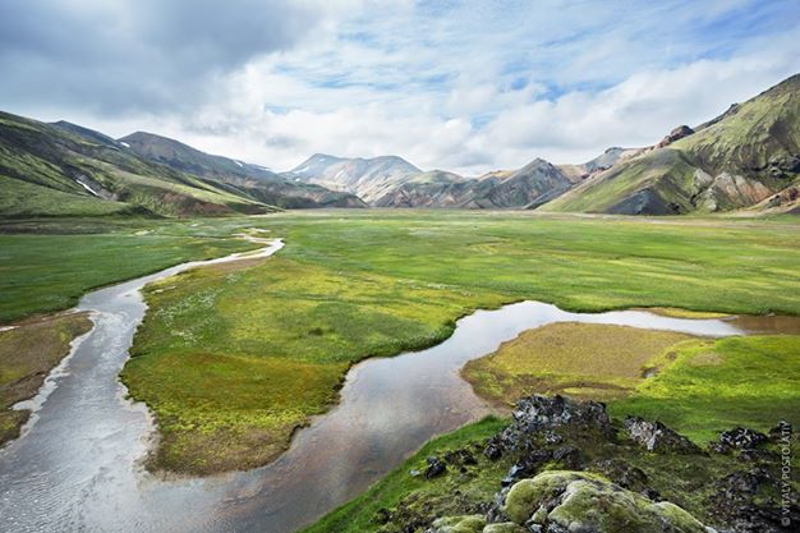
<point>526,188</point>
<point>369,179</point>
<point>245,179</point>
<point>747,157</point>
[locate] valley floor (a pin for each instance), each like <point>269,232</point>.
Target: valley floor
<point>233,358</point>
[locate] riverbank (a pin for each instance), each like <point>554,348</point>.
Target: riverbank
<point>29,349</point>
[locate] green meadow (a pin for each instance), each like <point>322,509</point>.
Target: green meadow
<point>219,354</point>
<point>48,265</point>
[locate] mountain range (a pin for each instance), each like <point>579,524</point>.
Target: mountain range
<point>746,158</point>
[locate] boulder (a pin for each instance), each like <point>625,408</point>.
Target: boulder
<point>656,437</point>
<point>568,501</point>
<point>435,468</point>
<point>542,413</point>
<point>739,438</point>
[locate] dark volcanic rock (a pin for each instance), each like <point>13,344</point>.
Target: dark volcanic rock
<point>657,437</point>
<point>538,413</point>
<point>736,504</point>
<point>570,457</point>
<point>782,431</point>
<point>435,468</point>
<point>739,438</point>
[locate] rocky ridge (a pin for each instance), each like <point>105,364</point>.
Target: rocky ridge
<point>572,468</point>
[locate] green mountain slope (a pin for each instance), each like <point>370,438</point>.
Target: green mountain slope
<point>67,170</point>
<point>749,156</point>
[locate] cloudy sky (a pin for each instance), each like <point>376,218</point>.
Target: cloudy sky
<point>467,86</point>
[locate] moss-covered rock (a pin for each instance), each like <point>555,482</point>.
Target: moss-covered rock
<point>505,527</point>
<point>576,501</point>
<point>459,524</point>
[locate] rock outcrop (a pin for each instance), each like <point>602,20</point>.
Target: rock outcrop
<point>656,437</point>
<point>676,134</point>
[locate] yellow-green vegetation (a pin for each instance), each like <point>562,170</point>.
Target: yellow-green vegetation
<point>234,357</point>
<point>350,285</point>
<point>591,501</point>
<point>715,385</point>
<point>27,353</point>
<point>21,199</point>
<point>581,360</point>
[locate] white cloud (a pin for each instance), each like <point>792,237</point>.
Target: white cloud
<point>466,86</point>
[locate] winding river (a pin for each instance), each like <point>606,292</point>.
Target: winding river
<point>78,465</point>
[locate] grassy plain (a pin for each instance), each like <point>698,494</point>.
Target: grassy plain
<point>46,266</point>
<point>216,354</point>
<point>701,386</point>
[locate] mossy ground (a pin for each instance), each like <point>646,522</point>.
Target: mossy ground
<point>715,385</point>
<point>580,360</point>
<point>27,353</point>
<point>350,285</point>
<point>402,502</point>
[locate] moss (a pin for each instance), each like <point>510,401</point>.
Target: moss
<point>526,496</point>
<point>579,501</point>
<point>714,385</point>
<point>460,524</point>
<point>504,527</point>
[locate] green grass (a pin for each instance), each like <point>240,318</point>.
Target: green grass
<point>479,484</point>
<point>350,285</point>
<point>21,199</point>
<point>580,264</point>
<point>42,273</point>
<point>715,385</point>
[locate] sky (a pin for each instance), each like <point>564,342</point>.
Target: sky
<point>467,86</point>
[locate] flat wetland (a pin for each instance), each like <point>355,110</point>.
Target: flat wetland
<point>351,285</point>
<point>232,358</point>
